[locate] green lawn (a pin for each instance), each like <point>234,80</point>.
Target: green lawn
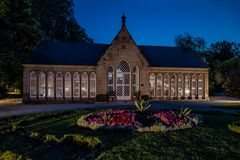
<point>210,140</point>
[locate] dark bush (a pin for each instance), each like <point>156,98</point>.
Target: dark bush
<point>101,98</point>
<point>81,141</point>
<point>3,92</point>
<point>145,97</point>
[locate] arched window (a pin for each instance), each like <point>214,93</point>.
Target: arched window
<point>180,85</point>
<point>84,85</point>
<point>92,85</point>
<point>194,85</point>
<point>159,85</point>
<point>166,85</point>
<point>200,86</point>
<point>50,81</point>
<point>123,80</point>
<point>187,85</point>
<point>42,85</point>
<point>59,85</point>
<point>173,85</point>
<point>152,81</point>
<point>76,85</point>
<point>110,79</point>
<point>33,84</point>
<point>68,85</point>
<point>135,79</point>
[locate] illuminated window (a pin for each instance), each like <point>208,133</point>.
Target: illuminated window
<point>187,85</point>
<point>166,85</point>
<point>59,85</point>
<point>68,85</point>
<point>33,84</point>
<point>180,85</point>
<point>92,85</point>
<point>173,85</point>
<point>194,85</point>
<point>159,85</point>
<point>110,79</point>
<point>50,81</point>
<point>152,81</point>
<point>200,86</point>
<point>123,80</point>
<point>76,85</point>
<point>84,85</point>
<point>42,85</point>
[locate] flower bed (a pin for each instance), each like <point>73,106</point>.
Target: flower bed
<point>148,121</point>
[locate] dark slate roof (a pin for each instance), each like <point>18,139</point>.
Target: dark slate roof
<point>63,53</point>
<point>159,56</point>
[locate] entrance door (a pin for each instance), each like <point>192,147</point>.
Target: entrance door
<point>123,81</point>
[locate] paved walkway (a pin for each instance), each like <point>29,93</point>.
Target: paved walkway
<point>17,108</point>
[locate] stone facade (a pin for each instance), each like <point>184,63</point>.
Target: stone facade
<point>123,57</point>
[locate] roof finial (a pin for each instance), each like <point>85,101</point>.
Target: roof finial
<point>123,19</point>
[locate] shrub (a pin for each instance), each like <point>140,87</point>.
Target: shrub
<point>34,135</point>
<point>235,127</point>
<point>80,140</point>
<point>51,138</point>
<point>8,155</point>
<point>15,127</point>
<point>101,98</point>
<point>111,93</point>
<point>145,97</point>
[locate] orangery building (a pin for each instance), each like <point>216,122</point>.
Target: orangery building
<point>61,71</point>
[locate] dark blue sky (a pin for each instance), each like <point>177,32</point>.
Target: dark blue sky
<point>157,22</point>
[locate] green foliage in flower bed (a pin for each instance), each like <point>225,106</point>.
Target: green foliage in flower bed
<point>142,105</point>
<point>235,127</point>
<point>149,121</point>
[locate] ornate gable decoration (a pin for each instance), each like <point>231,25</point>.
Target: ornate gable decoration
<point>122,41</point>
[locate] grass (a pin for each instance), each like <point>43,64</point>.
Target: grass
<point>235,106</point>
<point>210,140</point>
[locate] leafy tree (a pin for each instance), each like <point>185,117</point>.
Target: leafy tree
<point>57,22</point>
<point>195,44</point>
<point>19,36</point>
<point>231,74</point>
<point>3,7</point>
<point>216,55</point>
<point>23,24</point>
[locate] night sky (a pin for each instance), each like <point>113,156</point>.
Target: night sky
<point>157,22</point>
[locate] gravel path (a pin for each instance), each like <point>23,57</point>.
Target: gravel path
<point>17,108</point>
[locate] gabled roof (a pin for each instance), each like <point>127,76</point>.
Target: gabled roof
<point>63,53</point>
